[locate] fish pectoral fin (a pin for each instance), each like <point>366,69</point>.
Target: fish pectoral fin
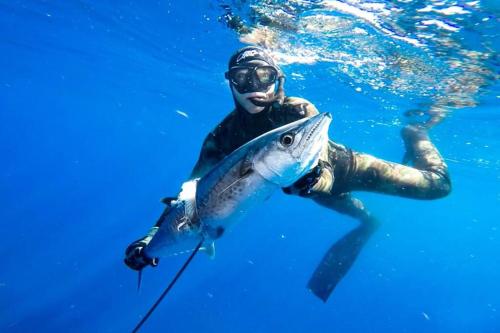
<point>246,167</point>
<point>209,249</point>
<point>245,171</point>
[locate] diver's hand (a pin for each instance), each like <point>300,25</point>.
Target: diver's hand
<point>135,257</point>
<point>304,186</point>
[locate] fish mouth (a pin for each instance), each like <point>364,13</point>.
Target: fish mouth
<point>326,117</point>
<point>315,132</point>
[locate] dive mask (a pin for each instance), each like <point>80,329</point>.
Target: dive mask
<point>252,78</point>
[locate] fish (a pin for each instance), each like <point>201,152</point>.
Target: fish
<point>182,113</point>
<point>207,207</point>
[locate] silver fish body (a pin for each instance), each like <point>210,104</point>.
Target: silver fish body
<point>207,207</point>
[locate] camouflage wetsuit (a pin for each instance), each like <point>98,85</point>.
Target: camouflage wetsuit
<point>352,171</point>
<point>347,171</point>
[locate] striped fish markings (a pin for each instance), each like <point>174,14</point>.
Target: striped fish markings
<point>208,206</point>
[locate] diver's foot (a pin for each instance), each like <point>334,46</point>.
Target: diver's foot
<point>135,258</point>
<point>414,113</point>
<point>414,133</point>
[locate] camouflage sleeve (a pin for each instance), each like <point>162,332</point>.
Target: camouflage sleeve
<point>326,179</point>
<point>210,155</point>
<point>428,179</point>
<point>233,21</point>
<point>300,107</point>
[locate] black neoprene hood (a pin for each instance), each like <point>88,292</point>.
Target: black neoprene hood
<point>250,53</point>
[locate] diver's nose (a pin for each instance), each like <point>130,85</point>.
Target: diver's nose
<point>252,82</point>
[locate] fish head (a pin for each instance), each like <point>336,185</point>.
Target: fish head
<point>287,153</point>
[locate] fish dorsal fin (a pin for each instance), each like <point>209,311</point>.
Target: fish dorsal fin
<point>209,249</point>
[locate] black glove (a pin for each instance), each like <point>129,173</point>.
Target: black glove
<point>304,185</point>
<point>135,257</point>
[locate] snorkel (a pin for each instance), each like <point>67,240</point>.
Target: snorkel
<point>279,97</point>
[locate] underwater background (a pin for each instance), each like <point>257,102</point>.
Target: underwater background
<point>103,109</point>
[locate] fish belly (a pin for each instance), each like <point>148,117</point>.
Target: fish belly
<point>176,235</point>
<point>208,216</point>
<point>230,200</point>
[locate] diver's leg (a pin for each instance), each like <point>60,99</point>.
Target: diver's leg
<point>421,151</point>
<point>435,114</point>
<point>427,179</point>
<point>341,256</point>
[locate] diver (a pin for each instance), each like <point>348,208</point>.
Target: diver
<point>257,86</point>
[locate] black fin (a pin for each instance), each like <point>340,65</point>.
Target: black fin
<point>169,287</point>
<point>337,261</point>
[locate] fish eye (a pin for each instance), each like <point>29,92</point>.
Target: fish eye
<point>287,139</point>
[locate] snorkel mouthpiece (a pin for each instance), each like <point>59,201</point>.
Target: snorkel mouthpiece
<point>277,100</point>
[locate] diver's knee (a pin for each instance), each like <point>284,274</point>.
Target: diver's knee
<point>414,133</point>
<point>441,189</point>
<point>444,189</point>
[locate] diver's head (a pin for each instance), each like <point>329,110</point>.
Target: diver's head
<point>252,75</point>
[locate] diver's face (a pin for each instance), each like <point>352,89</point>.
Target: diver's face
<point>248,100</point>
<point>254,101</point>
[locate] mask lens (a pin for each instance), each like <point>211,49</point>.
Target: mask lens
<point>248,79</point>
<point>265,75</point>
<point>239,76</point>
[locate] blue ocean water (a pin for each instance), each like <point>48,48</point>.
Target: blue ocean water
<point>104,106</point>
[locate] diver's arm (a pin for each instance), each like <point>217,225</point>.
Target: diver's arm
<point>234,21</point>
<point>210,155</point>
<point>428,179</point>
<point>325,180</point>
<point>297,108</point>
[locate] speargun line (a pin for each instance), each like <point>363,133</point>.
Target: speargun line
<point>165,292</point>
